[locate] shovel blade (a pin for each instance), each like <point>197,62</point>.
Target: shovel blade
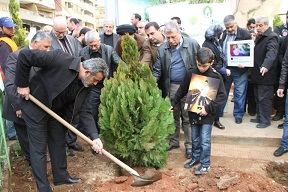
<point>148,178</point>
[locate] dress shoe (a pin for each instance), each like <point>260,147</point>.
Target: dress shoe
<point>188,153</point>
<point>173,147</point>
<point>238,120</point>
<point>13,138</point>
<point>191,164</point>
<point>219,125</point>
<point>77,147</point>
<point>277,117</point>
<point>280,126</point>
<point>254,121</point>
<point>70,152</point>
<point>263,125</point>
<point>280,151</point>
<point>252,114</point>
<point>70,180</point>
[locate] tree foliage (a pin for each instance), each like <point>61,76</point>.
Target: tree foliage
<point>135,120</point>
<point>20,32</point>
<point>277,21</point>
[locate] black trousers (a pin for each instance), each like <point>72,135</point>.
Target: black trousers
<point>279,102</point>
<point>47,131</point>
<point>263,98</point>
<point>251,103</point>
<point>22,135</point>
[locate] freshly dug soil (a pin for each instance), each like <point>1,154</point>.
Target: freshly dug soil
<point>98,173</point>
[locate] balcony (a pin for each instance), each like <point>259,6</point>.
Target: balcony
<point>47,4</point>
<point>88,7</point>
<point>89,19</point>
<point>35,17</point>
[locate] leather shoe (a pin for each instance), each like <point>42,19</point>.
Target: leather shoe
<point>219,125</point>
<point>280,126</point>
<point>172,147</point>
<point>76,147</point>
<point>263,125</point>
<point>254,120</point>
<point>277,117</point>
<point>70,152</point>
<point>191,164</point>
<point>70,180</point>
<point>280,151</point>
<point>188,153</point>
<point>238,120</point>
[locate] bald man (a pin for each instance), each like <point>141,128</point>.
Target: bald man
<point>60,39</point>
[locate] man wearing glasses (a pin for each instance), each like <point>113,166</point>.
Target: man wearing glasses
<point>60,39</point>
<point>96,49</point>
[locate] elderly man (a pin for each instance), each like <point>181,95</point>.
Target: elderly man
<point>177,55</point>
<point>96,49</point>
<point>60,40</point>
<point>263,74</point>
<point>11,109</point>
<point>150,46</point>
<point>109,37</point>
<point>239,74</point>
<point>63,84</point>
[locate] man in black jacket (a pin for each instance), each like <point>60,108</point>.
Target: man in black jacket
<point>239,74</point>
<point>264,73</point>
<point>96,49</point>
<point>63,85</point>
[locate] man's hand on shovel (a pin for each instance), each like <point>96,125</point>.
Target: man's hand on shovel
<point>97,146</point>
<point>24,92</point>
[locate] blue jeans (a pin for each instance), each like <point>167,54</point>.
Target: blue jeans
<point>284,141</point>
<point>201,143</point>
<point>240,92</point>
<point>10,129</point>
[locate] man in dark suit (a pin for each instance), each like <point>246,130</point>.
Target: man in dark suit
<point>60,39</point>
<point>239,74</point>
<point>11,109</point>
<point>63,84</point>
<point>264,73</point>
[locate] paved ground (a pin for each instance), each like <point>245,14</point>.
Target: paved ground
<point>244,140</point>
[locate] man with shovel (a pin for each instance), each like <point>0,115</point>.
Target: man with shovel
<point>63,84</point>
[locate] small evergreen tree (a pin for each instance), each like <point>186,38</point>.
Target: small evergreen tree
<point>135,120</point>
<point>20,32</point>
<point>277,21</point>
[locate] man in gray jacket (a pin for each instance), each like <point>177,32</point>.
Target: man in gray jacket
<point>174,58</point>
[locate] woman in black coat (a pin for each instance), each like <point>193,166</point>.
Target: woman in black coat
<point>212,36</point>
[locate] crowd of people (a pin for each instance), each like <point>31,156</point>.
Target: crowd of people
<point>65,64</point>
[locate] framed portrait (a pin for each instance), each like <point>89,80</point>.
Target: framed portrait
<point>240,52</point>
<point>202,90</point>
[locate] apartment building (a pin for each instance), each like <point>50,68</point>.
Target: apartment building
<point>38,13</point>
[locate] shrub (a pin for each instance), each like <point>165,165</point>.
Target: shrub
<point>135,120</point>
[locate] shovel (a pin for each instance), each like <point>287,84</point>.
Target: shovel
<point>148,178</point>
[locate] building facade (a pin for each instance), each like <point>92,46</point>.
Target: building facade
<point>37,13</point>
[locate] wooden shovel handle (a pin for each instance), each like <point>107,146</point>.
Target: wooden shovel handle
<point>78,133</point>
